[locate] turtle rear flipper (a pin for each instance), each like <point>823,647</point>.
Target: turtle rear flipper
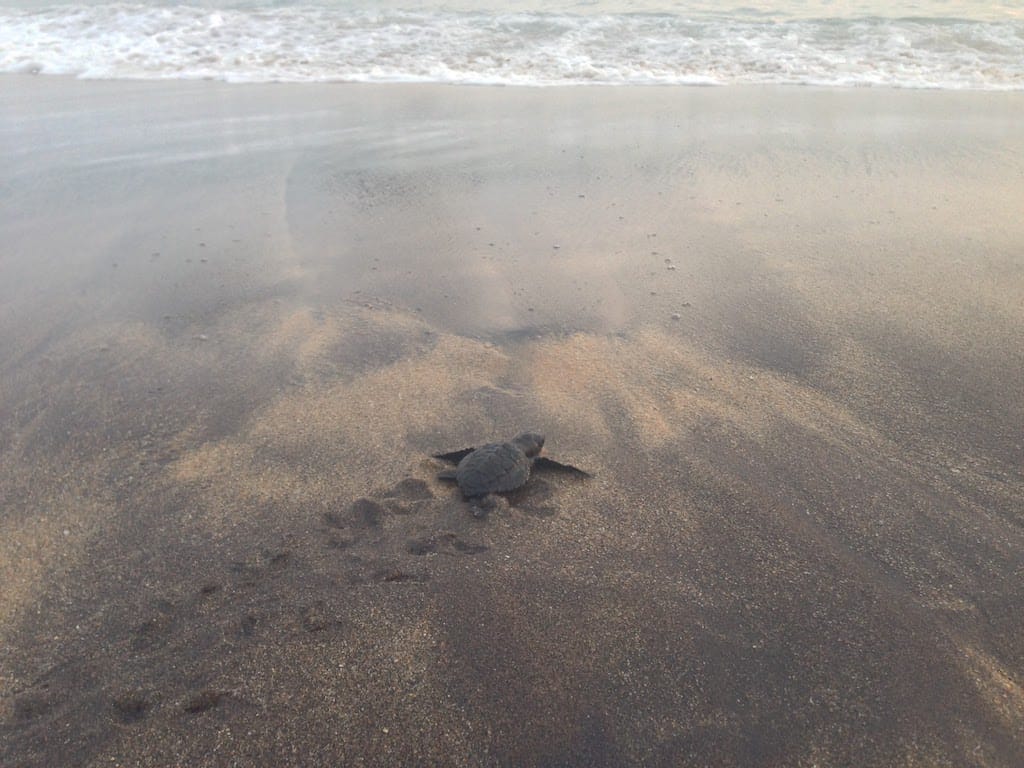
<point>482,506</point>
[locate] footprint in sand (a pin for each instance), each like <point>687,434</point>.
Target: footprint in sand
<point>130,707</point>
<point>204,701</point>
<point>156,630</point>
<point>445,543</point>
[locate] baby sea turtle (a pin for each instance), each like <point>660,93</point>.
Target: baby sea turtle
<point>498,468</point>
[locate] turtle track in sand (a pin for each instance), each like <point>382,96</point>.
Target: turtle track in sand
<point>393,534</point>
<point>386,535</point>
<point>299,588</point>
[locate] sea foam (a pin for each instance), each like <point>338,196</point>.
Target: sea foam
<point>328,43</point>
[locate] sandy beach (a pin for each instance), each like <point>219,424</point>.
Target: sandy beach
<point>782,327</point>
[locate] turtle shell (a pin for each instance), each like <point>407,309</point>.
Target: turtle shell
<point>493,468</point>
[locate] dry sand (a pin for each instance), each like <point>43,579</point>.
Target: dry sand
<point>782,327</point>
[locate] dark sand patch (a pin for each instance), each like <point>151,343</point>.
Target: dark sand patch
<point>801,544</point>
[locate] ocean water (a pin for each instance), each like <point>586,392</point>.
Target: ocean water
<point>957,44</point>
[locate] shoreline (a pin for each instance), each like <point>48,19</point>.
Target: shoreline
<point>869,88</point>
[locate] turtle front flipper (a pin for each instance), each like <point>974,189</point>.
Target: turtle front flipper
<point>543,462</point>
<point>454,457</point>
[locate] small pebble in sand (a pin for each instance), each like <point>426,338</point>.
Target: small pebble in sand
<point>201,337</point>
<point>676,316</point>
<point>556,247</point>
<point>671,266</point>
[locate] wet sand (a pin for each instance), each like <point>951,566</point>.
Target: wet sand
<point>782,327</point>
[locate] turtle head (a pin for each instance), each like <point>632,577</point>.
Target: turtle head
<point>529,443</point>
